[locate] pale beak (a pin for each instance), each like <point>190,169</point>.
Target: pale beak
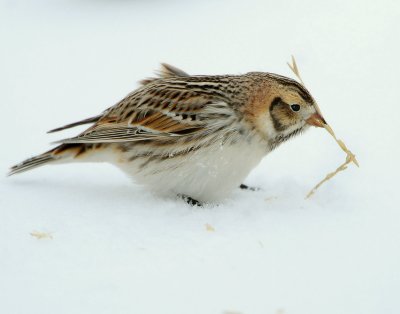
<point>316,120</point>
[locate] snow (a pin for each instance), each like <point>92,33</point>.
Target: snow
<point>115,248</point>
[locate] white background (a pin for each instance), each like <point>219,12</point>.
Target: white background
<point>119,249</point>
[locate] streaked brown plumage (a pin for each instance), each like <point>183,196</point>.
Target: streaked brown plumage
<point>197,136</point>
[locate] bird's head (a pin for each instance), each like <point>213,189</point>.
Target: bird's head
<point>286,108</point>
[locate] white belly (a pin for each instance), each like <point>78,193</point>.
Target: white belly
<point>208,174</point>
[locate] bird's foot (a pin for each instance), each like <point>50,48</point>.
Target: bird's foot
<point>246,187</point>
<point>191,201</point>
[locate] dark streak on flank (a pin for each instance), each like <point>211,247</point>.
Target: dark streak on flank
<point>163,157</point>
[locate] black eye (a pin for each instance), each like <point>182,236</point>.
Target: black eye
<point>295,107</point>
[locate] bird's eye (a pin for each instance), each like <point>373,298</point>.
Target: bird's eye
<point>295,107</point>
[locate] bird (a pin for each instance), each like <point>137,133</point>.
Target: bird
<point>192,136</point>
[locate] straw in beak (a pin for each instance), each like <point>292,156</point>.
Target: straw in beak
<point>316,120</point>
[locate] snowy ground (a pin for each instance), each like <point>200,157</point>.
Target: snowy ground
<point>118,249</point>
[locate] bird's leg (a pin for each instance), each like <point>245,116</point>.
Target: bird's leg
<point>246,187</point>
<point>191,201</point>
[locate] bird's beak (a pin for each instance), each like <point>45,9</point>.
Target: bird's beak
<point>316,120</point>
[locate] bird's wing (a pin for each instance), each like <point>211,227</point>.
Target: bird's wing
<point>159,112</point>
<point>71,125</point>
<point>165,71</point>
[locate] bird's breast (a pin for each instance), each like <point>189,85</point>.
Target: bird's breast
<point>206,174</point>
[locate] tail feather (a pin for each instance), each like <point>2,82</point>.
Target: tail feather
<point>33,162</point>
<point>60,154</point>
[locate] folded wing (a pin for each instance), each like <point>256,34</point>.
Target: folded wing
<point>157,112</point>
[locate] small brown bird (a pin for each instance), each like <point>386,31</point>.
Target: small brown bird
<point>193,136</point>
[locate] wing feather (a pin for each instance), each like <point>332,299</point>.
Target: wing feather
<point>166,70</point>
<point>71,125</point>
<point>158,112</point>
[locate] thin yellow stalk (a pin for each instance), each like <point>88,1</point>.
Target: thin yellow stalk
<point>350,157</point>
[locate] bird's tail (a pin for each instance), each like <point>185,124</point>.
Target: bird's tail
<point>60,154</point>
